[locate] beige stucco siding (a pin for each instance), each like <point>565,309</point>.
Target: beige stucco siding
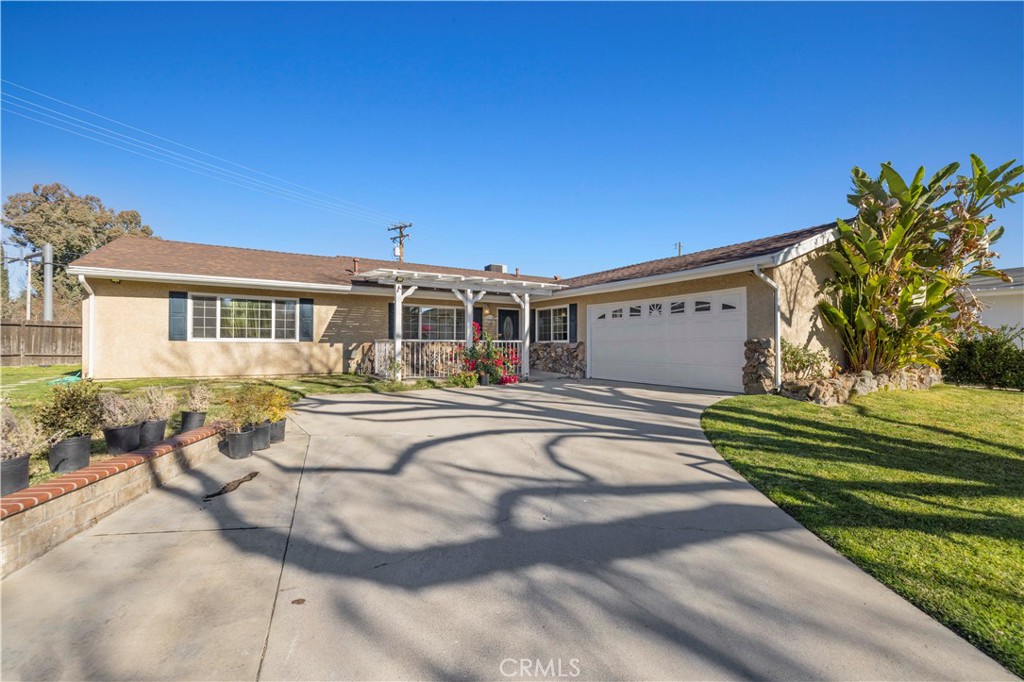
<point>760,305</point>
<point>800,288</point>
<point>131,337</point>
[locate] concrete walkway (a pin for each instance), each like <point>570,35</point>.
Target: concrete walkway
<point>504,533</point>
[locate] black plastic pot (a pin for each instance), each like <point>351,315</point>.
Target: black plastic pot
<point>13,475</point>
<point>122,439</point>
<point>192,420</point>
<point>277,431</point>
<point>485,380</point>
<point>240,443</point>
<point>152,432</point>
<point>260,436</point>
<point>70,454</point>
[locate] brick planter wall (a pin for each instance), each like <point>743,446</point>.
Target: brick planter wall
<point>35,520</point>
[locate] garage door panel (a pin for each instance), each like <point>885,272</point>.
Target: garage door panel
<point>681,348</point>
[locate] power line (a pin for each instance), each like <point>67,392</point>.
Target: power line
<point>175,156</point>
<point>332,203</point>
<point>176,165</point>
<point>199,151</point>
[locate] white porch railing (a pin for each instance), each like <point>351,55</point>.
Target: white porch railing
<point>435,359</point>
<point>513,353</point>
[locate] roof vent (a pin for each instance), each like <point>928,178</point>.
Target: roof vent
<point>496,267</point>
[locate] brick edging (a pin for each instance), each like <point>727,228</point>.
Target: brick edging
<point>25,499</point>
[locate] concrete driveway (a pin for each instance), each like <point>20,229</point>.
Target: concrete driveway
<point>565,529</point>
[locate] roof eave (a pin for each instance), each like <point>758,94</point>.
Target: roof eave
<point>205,280</point>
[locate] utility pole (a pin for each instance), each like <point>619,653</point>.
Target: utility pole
<point>679,248</point>
<point>399,239</point>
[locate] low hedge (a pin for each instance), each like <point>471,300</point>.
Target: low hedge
<point>992,359</point>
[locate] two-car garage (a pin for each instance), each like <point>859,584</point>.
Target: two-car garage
<point>693,340</point>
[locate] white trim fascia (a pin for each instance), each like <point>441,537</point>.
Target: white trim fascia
<point>207,280</point>
<point>729,268</point>
<point>1008,291</point>
<point>804,247</point>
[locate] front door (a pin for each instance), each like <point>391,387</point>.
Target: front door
<point>508,325</point>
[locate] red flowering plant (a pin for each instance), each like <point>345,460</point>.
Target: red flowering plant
<point>485,358</point>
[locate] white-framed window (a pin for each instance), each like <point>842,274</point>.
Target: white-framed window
<point>433,323</point>
<point>635,310</point>
<point>243,318</point>
<point>702,306</point>
<point>678,308</point>
<point>617,313</point>
<point>654,309</point>
<point>553,324</point>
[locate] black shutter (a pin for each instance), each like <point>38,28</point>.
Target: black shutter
<point>478,317</point>
<point>305,319</point>
<point>533,326</point>
<point>572,323</point>
<point>177,323</point>
<point>391,320</point>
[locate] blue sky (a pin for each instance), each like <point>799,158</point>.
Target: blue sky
<point>560,138</point>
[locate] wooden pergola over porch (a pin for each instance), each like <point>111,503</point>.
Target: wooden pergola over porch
<point>468,289</point>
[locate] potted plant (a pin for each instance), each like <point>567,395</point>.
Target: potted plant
<point>197,402</point>
<point>158,405</point>
<point>72,414</point>
<point>20,439</point>
<point>493,365</point>
<point>259,398</point>
<point>240,416</point>
<point>122,422</point>
<point>278,406</point>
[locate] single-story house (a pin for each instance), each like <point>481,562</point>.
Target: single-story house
<point>1002,302</point>
<point>165,308</point>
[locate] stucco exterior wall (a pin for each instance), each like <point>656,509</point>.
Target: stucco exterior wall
<point>131,341</point>
<point>800,284</point>
<point>132,328</point>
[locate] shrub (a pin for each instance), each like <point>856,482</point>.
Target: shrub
<point>157,404</point>
<point>20,436</point>
<point>463,380</point>
<point>243,409</point>
<point>117,411</point>
<point>198,397</point>
<point>990,359</point>
<point>73,410</point>
<point>268,403</point>
<point>804,363</point>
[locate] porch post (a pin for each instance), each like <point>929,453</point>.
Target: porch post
<point>400,297</point>
<point>398,331</point>
<point>526,336</point>
<point>469,299</point>
<point>524,330</point>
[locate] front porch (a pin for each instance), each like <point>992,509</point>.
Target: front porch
<point>398,357</point>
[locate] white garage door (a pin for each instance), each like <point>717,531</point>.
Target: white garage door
<point>694,341</point>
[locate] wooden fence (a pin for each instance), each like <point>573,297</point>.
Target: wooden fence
<point>40,343</point>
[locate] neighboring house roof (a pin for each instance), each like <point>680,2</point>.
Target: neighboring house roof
<point>700,259</point>
<point>983,284</point>
<point>185,261</point>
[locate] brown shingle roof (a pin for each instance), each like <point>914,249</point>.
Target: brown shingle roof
<point>171,257</point>
<point>699,259</point>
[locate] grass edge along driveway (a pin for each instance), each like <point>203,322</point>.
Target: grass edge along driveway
<point>924,490</point>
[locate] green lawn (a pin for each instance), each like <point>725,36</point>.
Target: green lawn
<point>922,489</point>
<point>26,387</point>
